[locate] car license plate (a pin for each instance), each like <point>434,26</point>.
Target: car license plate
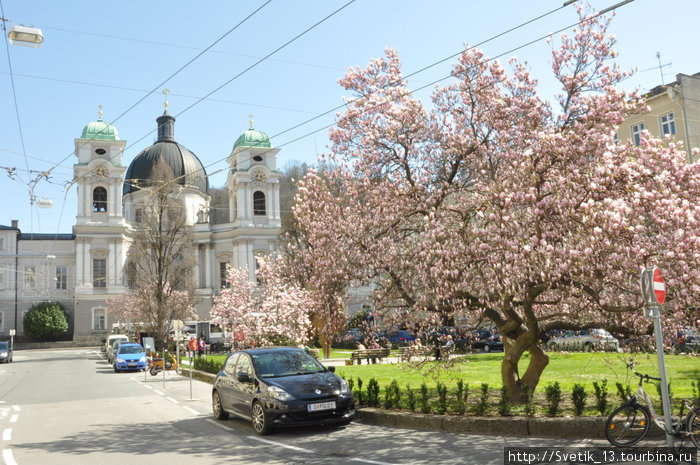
<point>321,406</point>
<point>132,364</point>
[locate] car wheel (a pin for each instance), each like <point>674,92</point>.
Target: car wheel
<point>116,370</point>
<point>217,408</point>
<point>486,348</point>
<point>260,424</point>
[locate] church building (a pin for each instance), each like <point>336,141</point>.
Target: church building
<point>85,268</point>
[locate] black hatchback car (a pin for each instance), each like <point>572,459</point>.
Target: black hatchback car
<point>280,386</point>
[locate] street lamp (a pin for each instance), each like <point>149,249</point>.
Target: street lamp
<point>25,36</point>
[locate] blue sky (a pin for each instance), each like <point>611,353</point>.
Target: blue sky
<point>115,53</point>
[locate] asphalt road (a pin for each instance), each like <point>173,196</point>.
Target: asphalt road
<point>69,407</point>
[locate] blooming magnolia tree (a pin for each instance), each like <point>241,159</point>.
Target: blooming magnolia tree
<point>274,313</point>
<point>495,207</point>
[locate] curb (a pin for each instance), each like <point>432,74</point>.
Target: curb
<point>557,427</point>
<point>553,427</point>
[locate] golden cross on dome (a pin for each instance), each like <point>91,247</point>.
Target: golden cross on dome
<point>166,92</point>
<point>251,121</point>
<point>100,112</point>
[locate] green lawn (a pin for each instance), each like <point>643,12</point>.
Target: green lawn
<point>566,369</point>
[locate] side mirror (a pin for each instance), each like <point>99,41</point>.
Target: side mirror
<point>244,378</point>
<point>331,369</point>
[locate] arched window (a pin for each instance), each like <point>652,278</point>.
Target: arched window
<point>99,200</point>
<point>258,203</point>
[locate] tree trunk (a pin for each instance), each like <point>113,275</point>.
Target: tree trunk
<point>509,367</point>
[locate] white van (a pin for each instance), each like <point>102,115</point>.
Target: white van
<point>116,339</point>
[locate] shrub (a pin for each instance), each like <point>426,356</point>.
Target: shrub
<point>392,396</point>
<point>358,393</point>
<point>410,398</point>
<point>696,390</point>
<point>462,396</point>
<point>625,392</point>
<point>601,396</point>
<point>578,396</point>
<point>442,398</point>
<point>504,402</point>
<point>529,401</point>
<point>553,393</point>
<point>208,365</point>
<point>424,399</point>
<point>46,321</point>
<point>670,395</point>
<point>373,393</point>
<point>482,404</point>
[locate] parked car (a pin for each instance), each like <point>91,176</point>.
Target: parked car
<point>400,338</point>
<point>586,340</point>
<point>351,335</point>
<point>486,341</point>
<point>5,352</point>
<point>280,386</point>
<point>687,340</point>
<point>130,356</point>
<point>119,338</point>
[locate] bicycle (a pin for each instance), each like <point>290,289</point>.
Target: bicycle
<point>629,423</point>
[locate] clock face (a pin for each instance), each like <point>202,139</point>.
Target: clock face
<point>258,176</point>
<point>101,171</point>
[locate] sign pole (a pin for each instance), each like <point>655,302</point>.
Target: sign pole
<point>654,294</point>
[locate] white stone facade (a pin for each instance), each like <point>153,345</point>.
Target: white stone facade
<point>84,268</point>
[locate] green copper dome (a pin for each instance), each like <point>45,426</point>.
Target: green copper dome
<point>253,138</point>
<point>99,130</point>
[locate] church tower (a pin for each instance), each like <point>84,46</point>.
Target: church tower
<point>254,198</point>
<point>99,226</point>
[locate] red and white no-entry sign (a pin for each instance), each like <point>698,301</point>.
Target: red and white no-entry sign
<point>659,286</point>
<point>653,287</point>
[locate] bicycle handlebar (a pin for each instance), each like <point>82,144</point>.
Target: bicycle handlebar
<point>646,378</point>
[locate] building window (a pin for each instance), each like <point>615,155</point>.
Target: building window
<point>29,277</point>
<point>99,272</point>
<point>2,243</point>
<point>2,322</point>
<point>2,278</point>
<point>61,277</point>
<point>98,319</point>
<point>223,275</point>
<point>99,200</point>
<point>258,203</point>
<point>668,125</point>
<point>138,217</point>
<point>636,132</point>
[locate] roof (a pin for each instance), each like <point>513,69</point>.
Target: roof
<point>45,237</point>
<point>185,166</point>
<point>253,138</point>
<point>99,130</point>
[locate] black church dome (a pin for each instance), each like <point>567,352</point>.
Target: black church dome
<point>185,165</point>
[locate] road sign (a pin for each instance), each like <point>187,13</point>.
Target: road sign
<point>652,286</point>
<point>659,286</point>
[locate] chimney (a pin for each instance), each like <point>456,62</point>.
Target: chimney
<point>15,224</point>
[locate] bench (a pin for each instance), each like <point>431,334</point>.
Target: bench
<point>406,352</point>
<point>370,354</point>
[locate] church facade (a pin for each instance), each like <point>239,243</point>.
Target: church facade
<point>85,268</point>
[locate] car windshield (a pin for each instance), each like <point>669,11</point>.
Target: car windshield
<point>130,349</point>
<point>287,363</point>
<point>3,346</point>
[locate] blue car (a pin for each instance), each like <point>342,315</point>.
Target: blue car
<point>130,356</point>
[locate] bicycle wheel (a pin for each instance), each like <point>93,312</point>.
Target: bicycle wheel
<point>627,425</point>
<point>693,426</point>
